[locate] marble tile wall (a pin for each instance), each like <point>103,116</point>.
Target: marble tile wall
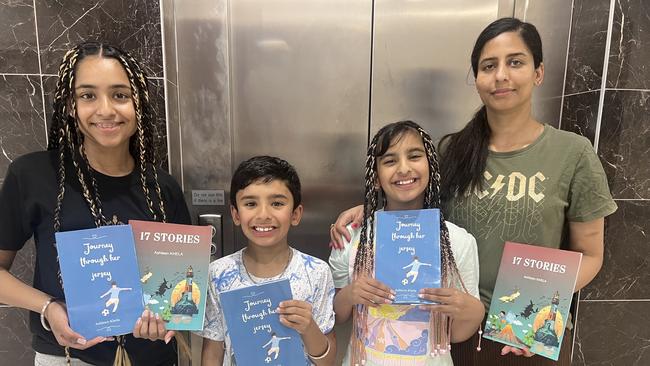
<point>35,35</point>
<point>610,104</point>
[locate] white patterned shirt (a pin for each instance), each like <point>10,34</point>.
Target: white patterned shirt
<point>309,277</point>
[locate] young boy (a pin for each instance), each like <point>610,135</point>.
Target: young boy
<point>265,202</point>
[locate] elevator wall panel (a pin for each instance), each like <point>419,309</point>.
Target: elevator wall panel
<point>300,84</point>
<point>553,20</point>
<point>203,83</point>
<point>421,61</point>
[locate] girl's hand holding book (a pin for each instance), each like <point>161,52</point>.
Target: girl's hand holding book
<point>152,327</point>
<point>457,304</point>
<point>370,292</point>
<point>57,317</point>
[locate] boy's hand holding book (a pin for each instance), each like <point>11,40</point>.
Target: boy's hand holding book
<point>296,314</point>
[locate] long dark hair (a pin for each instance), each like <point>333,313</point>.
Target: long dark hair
<point>66,137</point>
<point>364,260</point>
<point>464,153</point>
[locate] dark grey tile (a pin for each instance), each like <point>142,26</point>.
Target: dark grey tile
<point>18,50</point>
<point>612,334</point>
<point>15,338</point>
<point>22,127</point>
<point>49,87</point>
<point>157,95</point>
<point>131,25</point>
<point>630,46</point>
<point>625,142</point>
<point>627,255</point>
<point>587,45</point>
<point>580,114</point>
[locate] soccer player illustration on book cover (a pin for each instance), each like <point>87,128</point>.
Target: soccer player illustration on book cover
<point>414,269</point>
<point>114,298</point>
<point>274,350</point>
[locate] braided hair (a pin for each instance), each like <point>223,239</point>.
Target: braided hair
<point>440,325</point>
<point>66,138</point>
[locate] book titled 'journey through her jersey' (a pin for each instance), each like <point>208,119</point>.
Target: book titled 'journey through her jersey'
<point>100,280</point>
<point>174,262</point>
<point>257,336</point>
<point>407,256</point>
<point>532,297</point>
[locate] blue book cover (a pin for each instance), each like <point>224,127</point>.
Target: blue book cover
<point>407,254</point>
<point>257,336</point>
<point>101,280</point>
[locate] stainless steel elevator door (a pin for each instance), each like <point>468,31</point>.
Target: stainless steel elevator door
<point>421,62</point>
<point>300,84</point>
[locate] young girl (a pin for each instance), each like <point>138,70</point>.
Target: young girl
<point>99,169</point>
<point>508,177</point>
<point>402,170</point>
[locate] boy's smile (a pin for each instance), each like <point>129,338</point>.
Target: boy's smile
<point>265,212</point>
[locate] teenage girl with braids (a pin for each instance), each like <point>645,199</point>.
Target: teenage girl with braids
<point>402,174</point>
<point>99,169</point>
<point>508,177</point>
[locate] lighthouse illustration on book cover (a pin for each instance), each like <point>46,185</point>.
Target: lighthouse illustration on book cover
<point>532,296</point>
<point>174,262</point>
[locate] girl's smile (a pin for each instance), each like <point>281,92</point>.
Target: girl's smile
<point>403,172</point>
<point>104,105</point>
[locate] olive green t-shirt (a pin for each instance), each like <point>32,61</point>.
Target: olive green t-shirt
<point>529,196</point>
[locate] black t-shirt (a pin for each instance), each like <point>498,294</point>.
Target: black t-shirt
<point>28,200</point>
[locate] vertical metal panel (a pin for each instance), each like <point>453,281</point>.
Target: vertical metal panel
<point>198,100</point>
<point>204,101</point>
<point>553,21</point>
<point>506,8</point>
<point>421,62</point>
<point>300,76</point>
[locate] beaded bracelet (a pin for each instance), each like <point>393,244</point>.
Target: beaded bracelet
<point>47,303</point>
<point>327,351</point>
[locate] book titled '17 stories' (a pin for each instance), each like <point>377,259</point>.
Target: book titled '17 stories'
<point>532,296</point>
<point>407,255</point>
<point>174,262</point>
<point>257,336</point>
<point>100,280</point>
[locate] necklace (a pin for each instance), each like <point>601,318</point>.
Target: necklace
<point>286,266</point>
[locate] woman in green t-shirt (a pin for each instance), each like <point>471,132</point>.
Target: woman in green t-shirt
<point>508,177</point>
